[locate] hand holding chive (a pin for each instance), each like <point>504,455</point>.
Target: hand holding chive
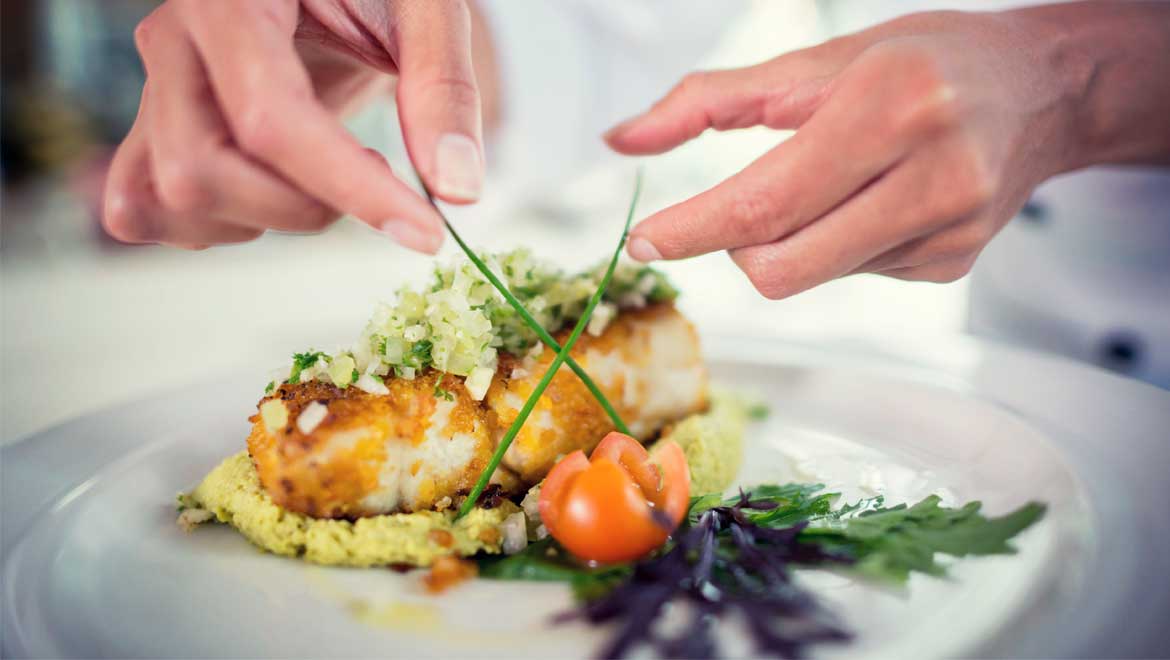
<point>239,127</point>
<point>916,140</point>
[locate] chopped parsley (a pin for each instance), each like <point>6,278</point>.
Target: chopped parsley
<point>441,393</point>
<point>302,361</point>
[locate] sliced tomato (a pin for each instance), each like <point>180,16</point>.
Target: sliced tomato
<point>618,505</point>
<point>631,455</point>
<point>556,485</point>
<point>674,496</point>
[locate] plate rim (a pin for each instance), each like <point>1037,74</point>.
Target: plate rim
<point>943,366</point>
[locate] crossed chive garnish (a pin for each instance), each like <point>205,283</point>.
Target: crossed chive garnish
<point>562,352</point>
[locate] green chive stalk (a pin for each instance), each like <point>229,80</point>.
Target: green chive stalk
<point>561,357</point>
<point>533,323</point>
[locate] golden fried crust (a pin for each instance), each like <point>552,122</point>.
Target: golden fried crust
<point>319,475</point>
<point>368,443</point>
<point>567,417</point>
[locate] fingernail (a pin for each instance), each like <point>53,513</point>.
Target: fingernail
<point>458,167</point>
<point>643,250</point>
<point>409,235</point>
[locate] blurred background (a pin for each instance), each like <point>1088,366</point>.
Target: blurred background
<point>88,322</point>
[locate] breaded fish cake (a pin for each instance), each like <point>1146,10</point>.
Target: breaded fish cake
<point>371,454</point>
<point>344,453</point>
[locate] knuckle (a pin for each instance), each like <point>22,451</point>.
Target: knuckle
<point>768,287</point>
<point>967,186</point>
<point>456,91</point>
<point>691,85</point>
<point>124,221</point>
<point>182,186</point>
<point>144,31</point>
<point>930,107</point>
<point>765,279</point>
<point>242,235</point>
<point>951,271</point>
<point>316,220</point>
<point>979,182</point>
<point>255,130</point>
<point>973,238</point>
<point>747,218</point>
<point>928,100</point>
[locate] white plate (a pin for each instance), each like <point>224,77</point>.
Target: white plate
<point>95,566</point>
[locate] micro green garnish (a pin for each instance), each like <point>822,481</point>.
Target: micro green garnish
<point>533,323</point>
<point>737,555</point>
<point>562,354</point>
<point>270,387</point>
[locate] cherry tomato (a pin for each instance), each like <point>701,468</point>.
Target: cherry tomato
<point>620,504</point>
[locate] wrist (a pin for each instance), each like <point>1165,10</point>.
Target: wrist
<point>1109,60</point>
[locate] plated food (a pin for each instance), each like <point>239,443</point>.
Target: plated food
<point>450,432</point>
<point>362,457</point>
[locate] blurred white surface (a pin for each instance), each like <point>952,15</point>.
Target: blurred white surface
<point>86,325</point>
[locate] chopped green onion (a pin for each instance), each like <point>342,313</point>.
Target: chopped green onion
<point>561,356</point>
<point>533,323</point>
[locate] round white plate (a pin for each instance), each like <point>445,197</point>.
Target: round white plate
<point>94,564</point>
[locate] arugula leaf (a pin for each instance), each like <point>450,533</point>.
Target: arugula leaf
<point>890,543</point>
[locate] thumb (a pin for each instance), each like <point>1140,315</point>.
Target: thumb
<point>779,93</point>
<point>438,100</point>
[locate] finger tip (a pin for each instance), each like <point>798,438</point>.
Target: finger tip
<point>412,235</point>
<point>618,139</point>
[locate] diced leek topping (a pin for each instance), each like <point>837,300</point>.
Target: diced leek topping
<point>342,370</point>
<point>459,323</point>
<point>274,414</point>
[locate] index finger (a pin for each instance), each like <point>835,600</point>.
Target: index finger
<point>794,183</point>
<point>269,104</point>
<point>858,133</point>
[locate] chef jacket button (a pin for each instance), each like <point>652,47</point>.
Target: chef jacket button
<point>1121,351</point>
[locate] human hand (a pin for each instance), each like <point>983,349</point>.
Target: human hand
<point>918,140</point>
<point>238,130</point>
